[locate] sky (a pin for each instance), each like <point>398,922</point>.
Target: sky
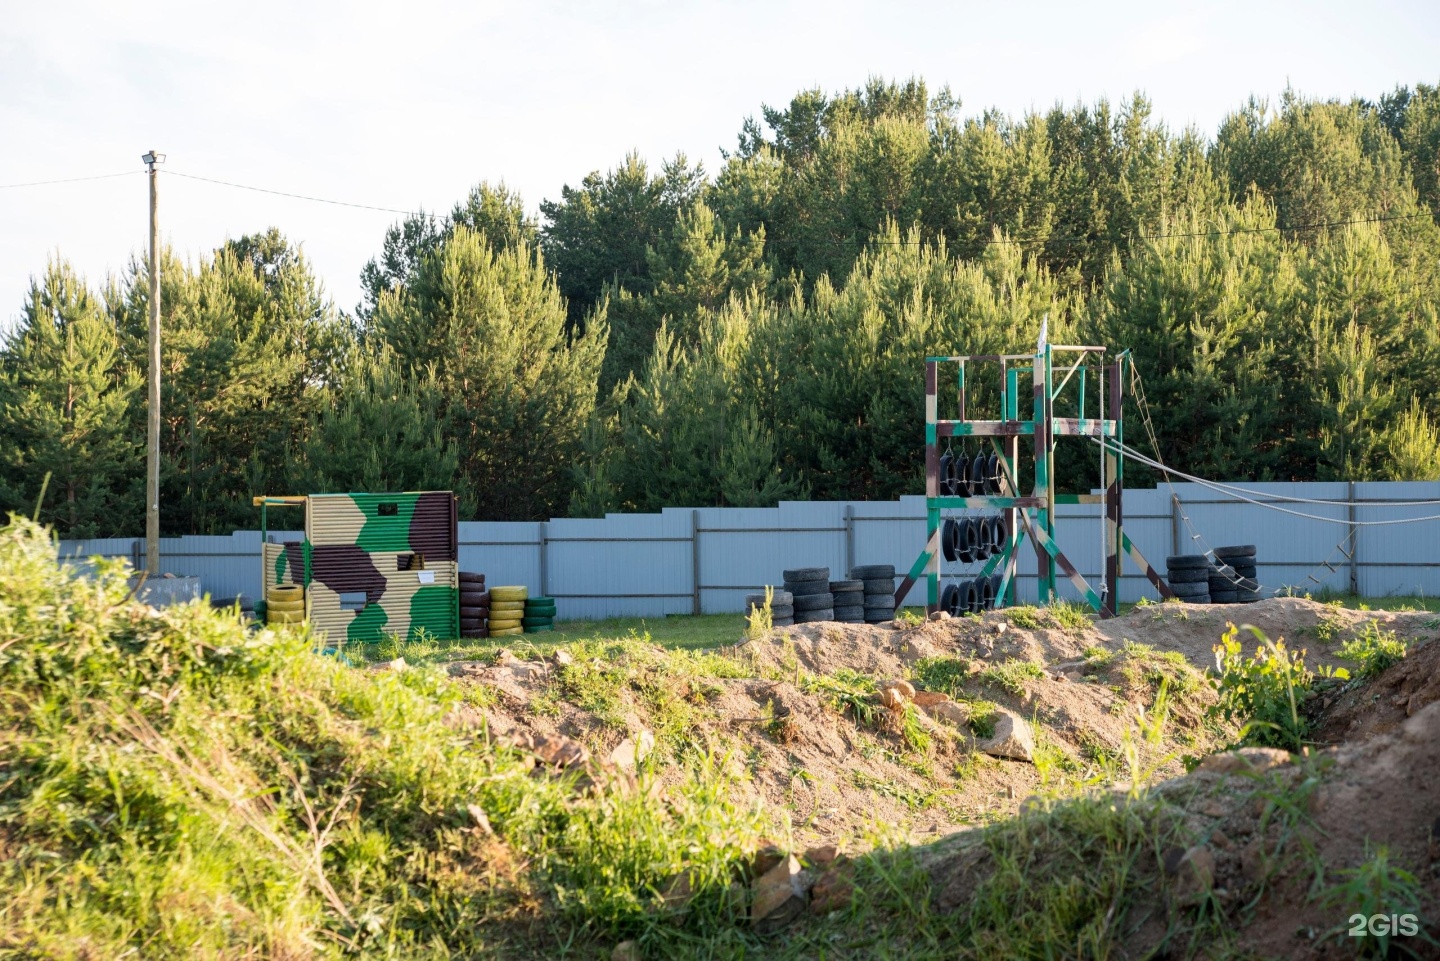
<point>406,106</point>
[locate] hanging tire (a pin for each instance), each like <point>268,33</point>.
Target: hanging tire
<point>813,602</point>
<point>949,540</point>
<point>960,467</point>
<point>995,580</point>
<point>969,598</point>
<point>993,473</point>
<point>987,593</point>
<point>950,600</point>
<point>979,474</point>
<point>870,572</point>
<point>982,537</point>
<point>943,474</point>
<point>1001,529</point>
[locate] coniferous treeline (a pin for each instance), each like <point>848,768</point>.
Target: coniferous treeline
<point>671,338</point>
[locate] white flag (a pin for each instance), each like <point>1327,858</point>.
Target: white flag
<point>1044,333</point>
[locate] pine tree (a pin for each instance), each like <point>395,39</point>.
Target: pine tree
<point>63,403</point>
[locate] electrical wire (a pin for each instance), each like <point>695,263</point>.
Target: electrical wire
<point>294,196</point>
<point>71,180</point>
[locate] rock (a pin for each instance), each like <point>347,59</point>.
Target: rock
<point>821,855</point>
<point>678,890</point>
<point>906,688</point>
<point>924,699</point>
<point>1221,840</point>
<point>1013,738</point>
<point>1194,875</point>
<point>1001,627</point>
<point>633,750</point>
<point>1256,760</point>
<point>559,751</point>
<point>562,658</point>
<point>948,710</point>
<point>940,616</point>
<point>398,664</point>
<point>504,657</point>
<point>1074,677</point>
<point>766,857</point>
<point>626,951</point>
<point>779,896</point>
<point>477,814</point>
<point>834,889</point>
<point>1212,808</point>
<point>892,698</point>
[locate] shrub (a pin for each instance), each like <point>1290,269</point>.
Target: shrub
<point>1262,693</point>
<point>1374,649</point>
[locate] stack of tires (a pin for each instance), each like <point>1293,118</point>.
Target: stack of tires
<point>1232,577</point>
<point>849,599</point>
<point>782,607</point>
<point>878,581</point>
<point>474,605</point>
<point>810,588</point>
<point>507,610</point>
<point>539,615</point>
<point>284,604</point>
<point>1189,577</point>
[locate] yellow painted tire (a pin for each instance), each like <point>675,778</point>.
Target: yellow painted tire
<point>296,606</point>
<point>506,631</point>
<point>285,592</point>
<point>503,624</point>
<point>511,593</point>
<point>284,617</point>
<point>516,606</point>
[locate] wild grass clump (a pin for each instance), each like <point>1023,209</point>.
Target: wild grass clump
<point>1374,649</point>
<point>179,786</point>
<point>1263,693</point>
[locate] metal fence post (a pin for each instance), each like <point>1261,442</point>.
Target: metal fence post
<point>1354,541</point>
<point>1174,523</point>
<point>544,564</point>
<point>695,556</point>
<point>849,540</point>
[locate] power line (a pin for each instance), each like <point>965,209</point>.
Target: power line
<point>71,180</point>
<point>294,196</point>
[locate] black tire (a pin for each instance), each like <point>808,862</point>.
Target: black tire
<point>950,599</point>
<point>1187,562</point>
<point>1222,584</point>
<point>970,597</point>
<point>1190,590</point>
<point>879,585</point>
<point>806,588</point>
<point>806,574</point>
<point>814,602</point>
<point>1199,599</point>
<point>1235,552</point>
<point>850,615</point>
<point>1224,597</point>
<point>474,598</point>
<point>949,539</point>
<point>1243,570</point>
<point>1001,529</point>
<point>469,577</point>
<point>1247,584</point>
<point>474,612</point>
<point>471,623</point>
<point>786,611</point>
<point>979,475</point>
<point>996,472</point>
<point>815,617</point>
<point>1247,597</point>
<point>777,598</point>
<point>987,593</point>
<point>960,466</point>
<point>943,474</point>
<point>848,598</point>
<point>1188,575</point>
<point>782,622</point>
<point>840,587</point>
<point>865,572</point>
<point>982,538</point>
<point>474,635</point>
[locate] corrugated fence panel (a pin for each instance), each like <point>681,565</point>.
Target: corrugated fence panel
<point>645,564</point>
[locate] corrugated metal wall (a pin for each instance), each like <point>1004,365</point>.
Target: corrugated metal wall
<point>650,564</point>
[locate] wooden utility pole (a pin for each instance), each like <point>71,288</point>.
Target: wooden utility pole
<point>153,159</point>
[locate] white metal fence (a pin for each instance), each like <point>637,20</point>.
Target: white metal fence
<point>705,560</point>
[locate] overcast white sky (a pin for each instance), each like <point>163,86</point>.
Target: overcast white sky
<point>408,104</point>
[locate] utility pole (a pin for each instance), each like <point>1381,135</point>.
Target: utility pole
<point>152,160</point>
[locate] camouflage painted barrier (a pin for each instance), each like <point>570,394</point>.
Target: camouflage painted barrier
<point>372,564</point>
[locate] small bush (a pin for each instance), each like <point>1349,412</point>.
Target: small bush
<point>1070,615</point>
<point>1012,675</point>
<point>1026,616</point>
<point>1374,649</point>
<point>1262,693</point>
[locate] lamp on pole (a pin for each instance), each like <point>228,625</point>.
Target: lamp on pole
<point>152,160</point>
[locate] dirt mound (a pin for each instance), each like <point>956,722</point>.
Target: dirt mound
<point>1363,711</point>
